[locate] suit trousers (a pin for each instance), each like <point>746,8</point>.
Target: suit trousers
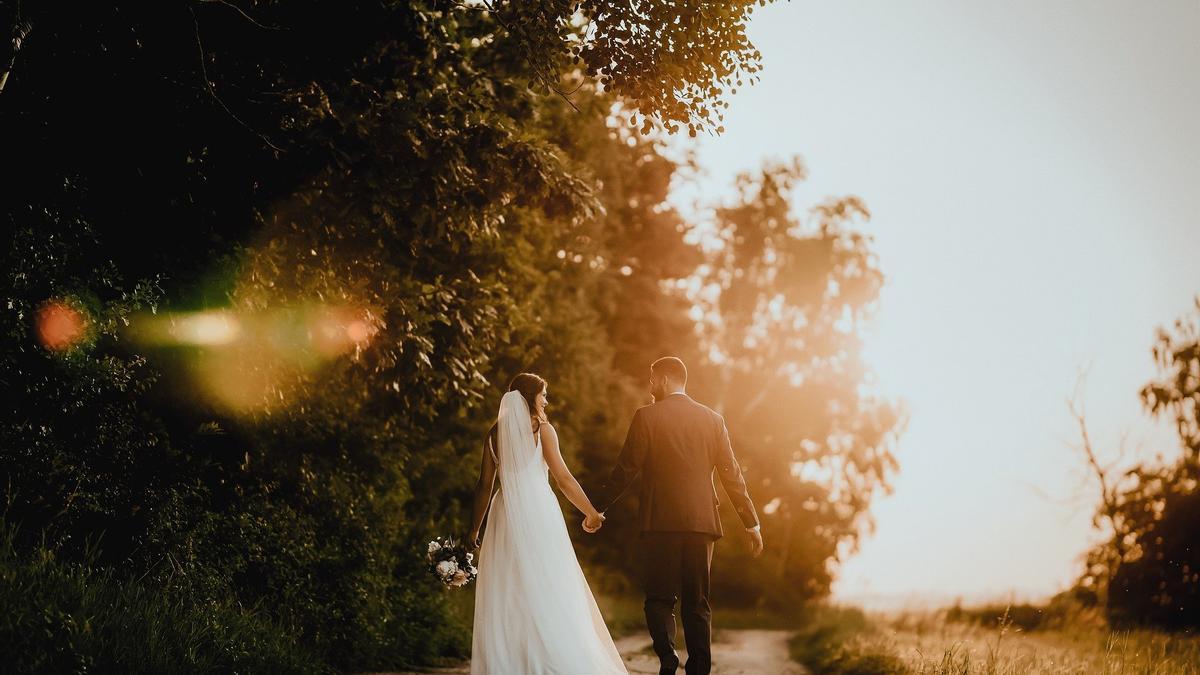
<point>675,566</point>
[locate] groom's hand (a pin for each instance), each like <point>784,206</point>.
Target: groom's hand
<point>592,524</point>
<point>756,542</point>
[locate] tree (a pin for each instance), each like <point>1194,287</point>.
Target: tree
<point>780,303</point>
<point>1146,572</point>
<point>676,63</point>
<point>383,164</point>
<point>626,262</point>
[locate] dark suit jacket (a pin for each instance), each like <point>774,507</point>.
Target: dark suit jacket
<point>677,444</point>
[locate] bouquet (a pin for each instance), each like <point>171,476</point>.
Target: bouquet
<point>451,563</point>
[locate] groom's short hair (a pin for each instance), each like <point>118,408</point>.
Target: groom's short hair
<point>672,367</point>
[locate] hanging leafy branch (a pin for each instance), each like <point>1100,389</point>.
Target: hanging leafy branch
<point>675,63</point>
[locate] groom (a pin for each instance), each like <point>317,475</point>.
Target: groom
<point>677,444</point>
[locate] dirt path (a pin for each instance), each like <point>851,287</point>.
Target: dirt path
<point>735,652</point>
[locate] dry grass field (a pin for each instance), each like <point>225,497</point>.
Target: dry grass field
<point>847,641</point>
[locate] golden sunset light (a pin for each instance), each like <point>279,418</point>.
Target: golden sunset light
<point>494,337</point>
<point>1030,170</point>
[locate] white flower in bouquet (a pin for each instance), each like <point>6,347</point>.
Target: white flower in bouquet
<point>447,568</point>
<point>450,563</point>
<point>470,557</point>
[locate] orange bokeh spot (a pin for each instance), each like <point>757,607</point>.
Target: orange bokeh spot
<point>358,331</point>
<point>59,326</point>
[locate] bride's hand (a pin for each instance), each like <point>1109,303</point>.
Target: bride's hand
<point>473,540</point>
<point>592,523</point>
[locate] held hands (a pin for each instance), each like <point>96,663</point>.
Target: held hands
<point>593,522</point>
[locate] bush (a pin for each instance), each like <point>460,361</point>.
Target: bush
<point>1146,572</point>
<point>1066,609</point>
<point>1024,616</point>
<point>1161,588</point>
<point>827,645</point>
<point>63,616</point>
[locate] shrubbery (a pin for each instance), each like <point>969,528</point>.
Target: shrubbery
<point>63,616</point>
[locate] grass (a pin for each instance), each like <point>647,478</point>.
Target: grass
<point>622,613</point>
<point>66,617</point>
<point>846,641</point>
<point>966,648</point>
<point>842,641</point>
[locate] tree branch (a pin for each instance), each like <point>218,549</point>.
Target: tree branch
<point>1110,508</point>
<point>20,31</point>
<point>538,70</point>
<point>213,92</point>
<point>246,16</point>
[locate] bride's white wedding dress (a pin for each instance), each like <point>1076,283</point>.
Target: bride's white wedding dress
<point>534,611</point>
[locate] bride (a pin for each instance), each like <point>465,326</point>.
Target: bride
<point>534,611</point>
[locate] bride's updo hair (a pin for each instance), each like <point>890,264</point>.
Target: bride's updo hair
<point>530,386</point>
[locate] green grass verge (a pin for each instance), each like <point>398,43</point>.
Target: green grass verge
<point>829,643</point>
<point>62,617</point>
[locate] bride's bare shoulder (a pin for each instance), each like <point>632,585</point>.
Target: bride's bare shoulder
<point>546,431</point>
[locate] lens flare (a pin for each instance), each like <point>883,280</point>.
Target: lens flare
<point>336,330</point>
<point>60,326</point>
<point>206,328</point>
<point>245,360</point>
<point>359,331</point>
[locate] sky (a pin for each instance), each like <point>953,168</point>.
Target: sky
<point>1033,173</point>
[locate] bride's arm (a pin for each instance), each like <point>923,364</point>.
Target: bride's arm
<point>562,475</point>
<point>483,489</point>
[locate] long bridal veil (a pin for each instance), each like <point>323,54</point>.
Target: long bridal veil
<point>534,611</point>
